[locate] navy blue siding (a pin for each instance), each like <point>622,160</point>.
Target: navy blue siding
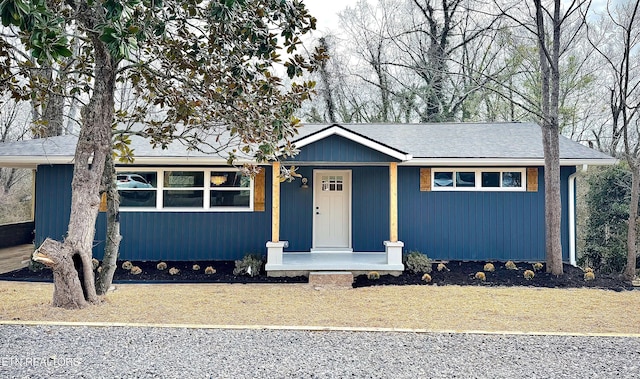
<point>445,225</point>
<point>53,201</point>
<point>476,225</point>
<point>339,149</point>
<point>369,207</point>
<point>156,235</point>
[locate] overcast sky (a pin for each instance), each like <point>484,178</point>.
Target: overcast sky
<point>326,11</point>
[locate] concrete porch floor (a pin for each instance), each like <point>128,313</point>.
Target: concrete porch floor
<point>301,263</point>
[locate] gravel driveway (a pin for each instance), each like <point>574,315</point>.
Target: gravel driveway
<point>135,352</point>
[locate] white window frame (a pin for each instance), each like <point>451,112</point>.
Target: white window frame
<point>478,179</point>
<point>160,188</point>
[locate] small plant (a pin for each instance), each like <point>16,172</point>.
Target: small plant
<point>174,271</point>
<point>373,275</point>
<point>442,267</point>
<point>529,274</point>
<point>510,265</point>
<point>426,278</point>
<point>127,265</point>
<point>95,263</point>
<point>250,265</point>
<point>589,276</point>
<point>209,270</point>
<point>161,266</point>
<point>489,267</point>
<point>135,270</point>
<point>537,266</point>
<point>480,276</point>
<point>418,263</point>
<point>195,267</point>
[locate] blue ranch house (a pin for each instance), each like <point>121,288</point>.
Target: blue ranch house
<point>368,193</point>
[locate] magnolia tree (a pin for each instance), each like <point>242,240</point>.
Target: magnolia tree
<point>203,67</point>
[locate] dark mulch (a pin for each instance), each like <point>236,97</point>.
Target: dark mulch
<point>463,273</point>
<point>456,273</point>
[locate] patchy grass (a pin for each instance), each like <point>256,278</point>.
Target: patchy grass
<point>513,309</point>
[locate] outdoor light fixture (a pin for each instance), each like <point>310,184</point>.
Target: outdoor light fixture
<point>304,183</point>
<point>217,180</point>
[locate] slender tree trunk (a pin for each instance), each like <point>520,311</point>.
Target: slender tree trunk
<point>632,230</point>
<point>71,259</point>
<point>112,245</point>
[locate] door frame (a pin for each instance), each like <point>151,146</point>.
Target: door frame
<point>348,178</point>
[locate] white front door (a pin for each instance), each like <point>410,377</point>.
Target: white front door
<point>332,210</point>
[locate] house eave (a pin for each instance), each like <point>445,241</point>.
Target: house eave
<point>504,162</point>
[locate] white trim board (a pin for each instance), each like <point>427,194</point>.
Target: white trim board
<point>342,132</point>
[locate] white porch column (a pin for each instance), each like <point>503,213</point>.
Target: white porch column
<point>393,247</point>
<point>275,246</point>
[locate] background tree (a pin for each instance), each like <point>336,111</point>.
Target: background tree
<point>621,26</point>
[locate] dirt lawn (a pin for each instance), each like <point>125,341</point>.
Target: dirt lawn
<point>434,308</point>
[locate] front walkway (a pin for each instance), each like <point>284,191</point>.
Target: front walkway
<point>15,257</point>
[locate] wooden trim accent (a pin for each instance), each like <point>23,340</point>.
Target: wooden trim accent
<point>393,202</point>
<point>259,191</point>
<point>425,179</point>
<point>103,203</point>
<point>275,202</point>
<point>532,179</point>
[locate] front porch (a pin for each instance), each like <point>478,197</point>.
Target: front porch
<point>331,247</point>
<point>301,263</point>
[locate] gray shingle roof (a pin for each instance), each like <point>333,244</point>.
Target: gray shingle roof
<point>464,140</point>
<point>453,141</point>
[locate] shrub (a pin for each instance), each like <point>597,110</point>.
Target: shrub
<point>209,270</point>
<point>135,270</point>
<point>442,267</point>
<point>373,275</point>
<point>250,265</point>
<point>510,265</point>
<point>36,266</point>
<point>126,265</point>
<point>195,267</point>
<point>480,276</point>
<point>528,274</point>
<point>95,263</point>
<point>589,276</point>
<point>417,262</point>
<point>537,266</point>
<point>426,278</point>
<point>161,266</point>
<point>174,271</point>
<point>489,267</point>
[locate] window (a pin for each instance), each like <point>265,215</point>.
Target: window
<point>484,179</point>
<point>332,183</point>
<point>219,189</point>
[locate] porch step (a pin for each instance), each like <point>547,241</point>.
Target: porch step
<point>331,279</point>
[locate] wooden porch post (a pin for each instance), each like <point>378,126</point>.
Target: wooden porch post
<point>393,202</point>
<point>275,203</point>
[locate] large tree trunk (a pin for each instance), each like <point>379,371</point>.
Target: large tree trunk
<point>112,245</point>
<point>552,201</point>
<point>632,230</point>
<point>94,144</point>
<point>550,81</point>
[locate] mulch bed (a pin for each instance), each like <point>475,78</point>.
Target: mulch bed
<point>456,273</point>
